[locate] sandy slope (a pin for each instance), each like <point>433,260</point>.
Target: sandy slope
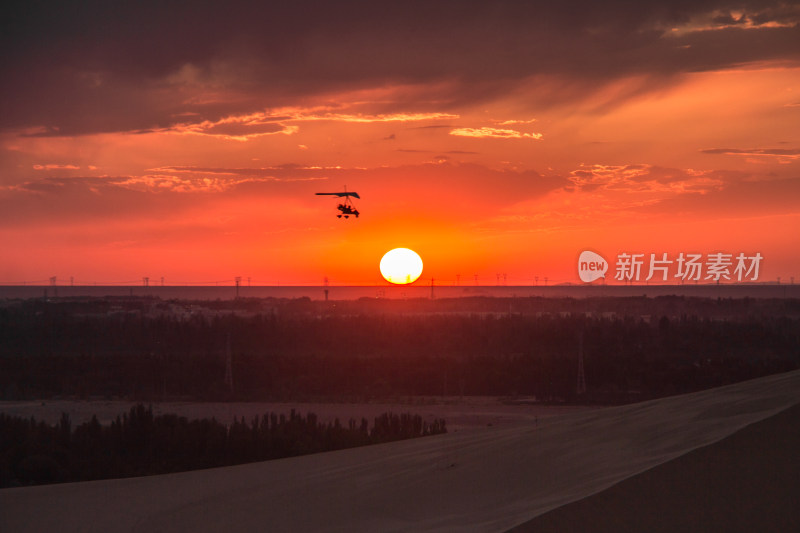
<point>746,482</point>
<point>487,479</point>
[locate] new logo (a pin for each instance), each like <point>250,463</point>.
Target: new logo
<point>591,266</point>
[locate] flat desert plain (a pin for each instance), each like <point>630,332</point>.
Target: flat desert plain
<point>480,478</point>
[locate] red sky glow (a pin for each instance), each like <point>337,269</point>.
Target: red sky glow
<point>187,140</point>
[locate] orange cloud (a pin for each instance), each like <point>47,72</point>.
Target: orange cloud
<point>370,118</point>
<point>779,15</point>
<point>644,179</point>
<point>495,133</point>
<point>512,122</point>
<point>55,167</point>
<point>285,121</point>
<point>781,154</point>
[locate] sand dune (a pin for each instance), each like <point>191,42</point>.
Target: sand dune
<point>487,479</point>
<point>746,482</point>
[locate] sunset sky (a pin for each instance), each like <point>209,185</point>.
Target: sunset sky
<point>187,139</point>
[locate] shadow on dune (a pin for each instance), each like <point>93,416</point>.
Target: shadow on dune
<point>747,482</point>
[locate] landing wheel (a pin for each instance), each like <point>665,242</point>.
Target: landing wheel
<point>338,216</point>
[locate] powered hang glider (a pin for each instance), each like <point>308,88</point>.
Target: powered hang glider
<point>346,206</point>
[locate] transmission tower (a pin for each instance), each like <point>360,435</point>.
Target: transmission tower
<point>581,388</point>
<point>229,365</point>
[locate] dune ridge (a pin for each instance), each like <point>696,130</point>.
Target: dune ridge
<point>482,480</point>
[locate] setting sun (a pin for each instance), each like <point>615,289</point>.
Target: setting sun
<point>401,266</point>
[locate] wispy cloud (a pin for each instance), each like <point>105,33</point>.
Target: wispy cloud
<point>494,133</point>
<point>200,181</point>
<point>780,153</point>
<point>288,172</point>
<point>511,122</point>
<point>52,166</point>
<point>183,184</point>
<point>742,17</point>
<point>370,118</point>
<point>236,130</point>
<point>287,121</point>
<point>644,179</point>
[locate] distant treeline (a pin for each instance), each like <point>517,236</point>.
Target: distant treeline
<point>633,348</point>
<point>139,443</point>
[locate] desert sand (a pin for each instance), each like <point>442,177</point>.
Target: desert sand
<point>481,479</point>
<point>749,481</point>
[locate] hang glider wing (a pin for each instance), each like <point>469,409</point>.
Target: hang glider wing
<point>339,194</point>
